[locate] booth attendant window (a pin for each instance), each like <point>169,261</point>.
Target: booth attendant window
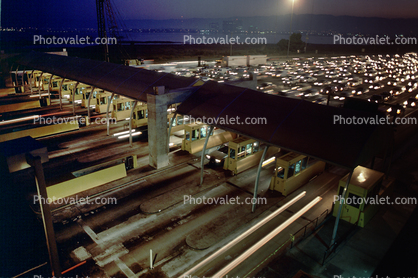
<point>249,149</point>
<point>232,153</point>
<point>241,152</point>
<point>203,132</point>
<point>195,134</point>
<point>291,170</point>
<point>280,172</point>
<point>187,135</point>
<point>140,114</point>
<point>179,120</point>
<point>256,147</point>
<point>304,163</point>
<point>298,166</point>
<point>120,107</point>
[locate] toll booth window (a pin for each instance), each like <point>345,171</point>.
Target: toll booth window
<point>298,167</point>
<point>120,107</point>
<point>94,94</point>
<point>146,113</point>
<point>304,163</point>
<point>354,200</point>
<point>256,147</point>
<point>187,136</point>
<point>65,87</point>
<point>241,153</point>
<point>103,100</point>
<point>232,153</point>
<point>174,121</point>
<point>249,149</point>
<point>180,120</point>
<point>134,115</point>
<point>55,84</point>
<point>203,132</point>
<point>291,170</point>
<point>195,134</point>
<point>140,114</point>
<point>280,172</point>
<point>127,105</point>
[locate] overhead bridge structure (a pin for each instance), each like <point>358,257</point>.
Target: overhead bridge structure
<point>292,124</point>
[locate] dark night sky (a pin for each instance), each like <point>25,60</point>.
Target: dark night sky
<point>82,13</point>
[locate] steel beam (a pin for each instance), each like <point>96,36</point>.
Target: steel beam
<point>107,112</point>
<point>257,177</point>
<point>51,243</point>
<point>202,160</point>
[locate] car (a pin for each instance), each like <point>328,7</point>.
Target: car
<point>217,157</point>
<point>266,85</point>
<point>376,99</point>
<point>411,102</point>
<point>386,96</point>
<point>320,100</point>
<point>360,91</point>
<point>327,90</point>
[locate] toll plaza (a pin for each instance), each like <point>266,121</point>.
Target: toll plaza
<point>289,124</point>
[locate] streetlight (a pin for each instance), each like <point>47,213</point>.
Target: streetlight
<point>291,18</point>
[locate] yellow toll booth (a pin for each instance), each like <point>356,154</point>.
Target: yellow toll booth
<point>365,184</point>
<point>195,136</point>
<point>244,153</point>
<point>292,171</point>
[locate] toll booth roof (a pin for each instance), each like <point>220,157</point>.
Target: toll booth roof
<point>296,125</point>
<point>289,156</point>
<point>123,80</point>
<point>19,146</point>
<point>364,177</point>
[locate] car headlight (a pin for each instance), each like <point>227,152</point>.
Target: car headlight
<point>208,156</point>
<point>217,160</point>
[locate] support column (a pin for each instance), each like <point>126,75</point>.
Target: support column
<point>202,159</point>
<point>49,88</point>
<point>51,243</point>
<point>30,81</point>
<point>75,89</point>
<point>16,77</point>
<point>59,92</point>
<point>257,177</point>
<point>88,104</point>
<point>337,220</point>
<point>157,128</point>
<point>109,101</point>
<point>23,80</point>
<point>130,123</point>
<point>169,129</point>
<point>40,84</point>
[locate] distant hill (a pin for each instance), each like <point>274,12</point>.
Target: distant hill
<point>304,22</point>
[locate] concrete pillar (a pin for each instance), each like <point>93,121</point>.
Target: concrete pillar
<point>157,128</point>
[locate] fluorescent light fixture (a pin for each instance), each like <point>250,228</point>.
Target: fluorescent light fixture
<point>123,132</point>
<point>268,161</point>
<point>42,95</point>
<point>19,120</point>
<point>127,135</point>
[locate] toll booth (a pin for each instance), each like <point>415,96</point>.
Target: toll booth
<point>195,136</point>
<point>292,171</point>
<point>140,115</point>
<point>244,153</point>
<point>102,99</point>
<point>122,108</point>
<point>365,184</point>
<point>178,123</point>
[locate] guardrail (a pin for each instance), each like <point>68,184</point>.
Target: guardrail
<point>333,247</point>
<point>294,236</point>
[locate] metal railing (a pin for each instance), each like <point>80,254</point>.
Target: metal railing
<point>294,236</point>
<point>333,247</point>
